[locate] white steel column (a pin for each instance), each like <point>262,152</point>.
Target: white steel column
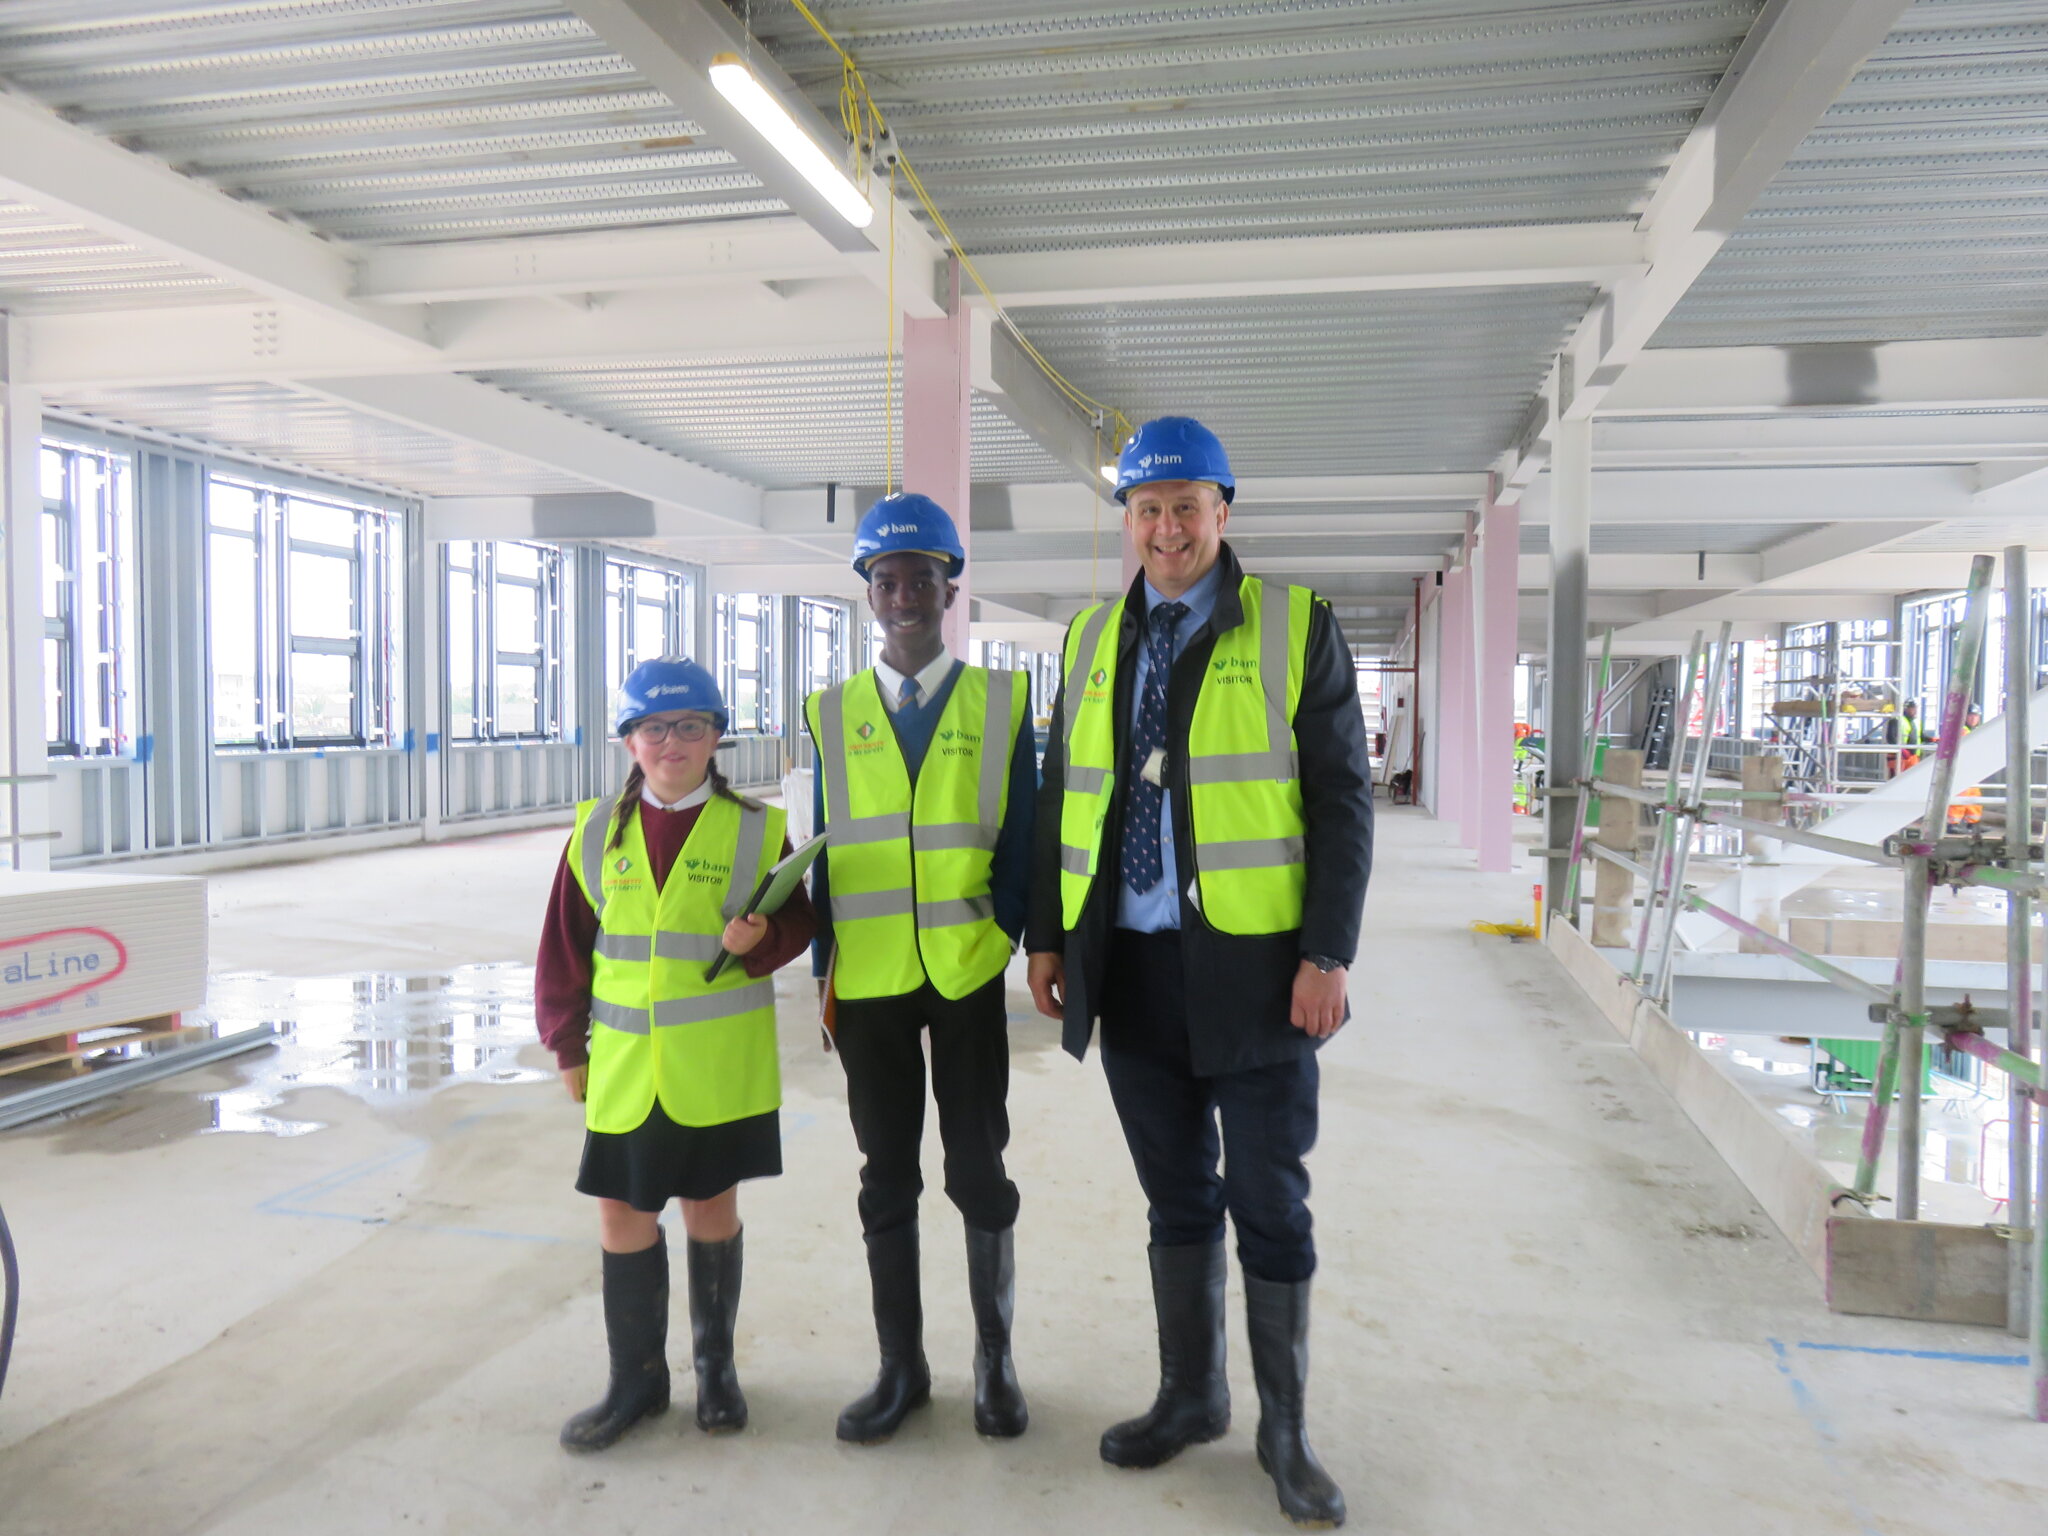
<point>24,752</point>
<point>1564,725</point>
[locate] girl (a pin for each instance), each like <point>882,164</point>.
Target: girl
<point>677,1076</point>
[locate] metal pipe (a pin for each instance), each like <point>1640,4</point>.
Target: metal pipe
<point>1835,845</point>
<point>1912,1034</point>
<point>1616,856</point>
<point>2026,1075</point>
<point>1904,1065</point>
<point>1660,855</point>
<point>1710,716</point>
<point>1590,763</point>
<point>2019,934</point>
<point>2018,884</point>
<point>36,1103</point>
<point>1847,981</point>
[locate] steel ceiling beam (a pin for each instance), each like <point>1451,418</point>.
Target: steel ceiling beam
<point>2009,371</point>
<point>1791,67</point>
<point>1515,256</point>
<point>66,170</point>
<point>471,412</point>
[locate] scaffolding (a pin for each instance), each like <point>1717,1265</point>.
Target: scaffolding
<point>1836,696</point>
<point>1928,858</point>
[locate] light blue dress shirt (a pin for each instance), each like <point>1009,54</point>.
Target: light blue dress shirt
<point>1157,910</point>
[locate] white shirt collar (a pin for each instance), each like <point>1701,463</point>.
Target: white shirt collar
<point>696,796</point>
<point>928,680</point>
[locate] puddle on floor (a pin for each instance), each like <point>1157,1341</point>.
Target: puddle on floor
<point>380,1037</point>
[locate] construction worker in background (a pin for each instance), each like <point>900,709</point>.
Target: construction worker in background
<point>1967,812</point>
<point>1204,838</point>
<point>1905,732</point>
<point>925,783</point>
<point>678,1076</point>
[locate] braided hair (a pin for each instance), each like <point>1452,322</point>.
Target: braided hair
<point>636,780</point>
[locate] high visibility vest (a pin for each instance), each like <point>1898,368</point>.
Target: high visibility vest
<point>910,869</point>
<point>1243,781</point>
<point>658,1030</point>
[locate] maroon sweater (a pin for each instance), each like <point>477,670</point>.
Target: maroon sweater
<point>561,977</point>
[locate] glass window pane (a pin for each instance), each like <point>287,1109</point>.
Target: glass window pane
<point>518,700</point>
<point>321,522</point>
<point>518,560</point>
<point>53,474</point>
<point>323,697</point>
<point>232,619</point>
<point>746,704</point>
<point>229,505</point>
<point>650,631</point>
<point>518,618</point>
<point>53,690</point>
<point>461,554</point>
<point>323,596</point>
<point>55,525</point>
<point>462,654</point>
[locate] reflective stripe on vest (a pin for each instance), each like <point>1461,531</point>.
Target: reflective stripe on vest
<point>1242,776</point>
<point>659,1032</point>
<point>910,865</point>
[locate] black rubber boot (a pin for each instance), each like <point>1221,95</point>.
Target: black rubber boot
<point>992,1288</point>
<point>714,1305</point>
<point>636,1331</point>
<point>905,1381</point>
<point>1277,1318</point>
<point>1193,1405</point>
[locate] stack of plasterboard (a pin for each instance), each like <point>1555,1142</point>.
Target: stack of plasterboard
<point>78,951</point>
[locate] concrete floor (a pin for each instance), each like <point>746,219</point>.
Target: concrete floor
<point>363,1296</point>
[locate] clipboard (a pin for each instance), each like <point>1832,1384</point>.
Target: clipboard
<point>775,888</point>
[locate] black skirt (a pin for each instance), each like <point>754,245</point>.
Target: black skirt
<point>662,1161</point>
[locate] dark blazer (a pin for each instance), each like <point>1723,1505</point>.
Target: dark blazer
<point>1239,987</point>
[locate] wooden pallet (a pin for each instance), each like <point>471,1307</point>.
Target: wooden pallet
<point>72,1050</point>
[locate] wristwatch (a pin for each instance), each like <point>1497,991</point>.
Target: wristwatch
<point>1324,963</point>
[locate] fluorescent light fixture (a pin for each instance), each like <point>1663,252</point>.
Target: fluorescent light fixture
<point>757,104</point>
<point>1109,473</point>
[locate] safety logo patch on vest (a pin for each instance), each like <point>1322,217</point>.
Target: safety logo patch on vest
<point>1235,669</point>
<point>623,865</point>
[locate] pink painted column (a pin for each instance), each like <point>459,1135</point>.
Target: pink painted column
<point>1500,558</point>
<point>938,403</point>
<point>1453,699</point>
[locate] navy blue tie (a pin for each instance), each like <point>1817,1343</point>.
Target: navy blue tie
<point>1141,856</point>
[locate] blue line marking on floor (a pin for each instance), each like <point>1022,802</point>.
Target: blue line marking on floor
<point>1823,1431</point>
<point>1920,1354</point>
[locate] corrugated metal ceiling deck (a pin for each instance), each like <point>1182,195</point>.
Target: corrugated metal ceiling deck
<point>382,120</point>
<point>1327,384</point>
<point>48,262</point>
<point>1914,210</point>
<point>1058,127</point>
<point>802,421</point>
<point>273,422</point>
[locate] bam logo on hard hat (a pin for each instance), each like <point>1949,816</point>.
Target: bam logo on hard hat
<point>1158,458</point>
<point>889,529</point>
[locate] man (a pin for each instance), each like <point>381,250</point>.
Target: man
<point>1204,837</point>
<point>1905,731</point>
<point>925,784</point>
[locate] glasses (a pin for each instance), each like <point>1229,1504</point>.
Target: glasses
<point>658,731</point>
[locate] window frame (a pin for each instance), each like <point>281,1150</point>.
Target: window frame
<point>91,706</point>
<point>487,654</point>
<point>373,645</point>
<point>759,608</point>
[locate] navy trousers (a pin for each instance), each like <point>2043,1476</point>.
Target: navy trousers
<point>1170,1119</point>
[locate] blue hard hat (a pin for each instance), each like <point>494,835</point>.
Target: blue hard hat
<point>907,523</point>
<point>671,683</point>
<point>1173,448</point>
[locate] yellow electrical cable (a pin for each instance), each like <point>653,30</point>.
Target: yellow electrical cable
<point>854,95</point>
<point>889,350</point>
